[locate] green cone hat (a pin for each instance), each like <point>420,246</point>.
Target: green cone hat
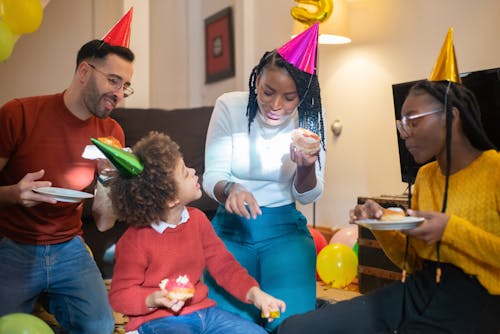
<point>127,164</point>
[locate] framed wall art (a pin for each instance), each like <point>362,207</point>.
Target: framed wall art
<point>219,46</point>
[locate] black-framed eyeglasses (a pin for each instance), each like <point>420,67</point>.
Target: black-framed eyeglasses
<point>115,81</point>
<point>405,125</point>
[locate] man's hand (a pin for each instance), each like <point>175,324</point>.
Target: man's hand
<point>23,194</point>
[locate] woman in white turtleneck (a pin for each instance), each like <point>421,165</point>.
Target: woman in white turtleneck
<point>253,170</point>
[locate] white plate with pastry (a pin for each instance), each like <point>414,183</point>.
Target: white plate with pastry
<point>63,194</point>
<point>403,223</point>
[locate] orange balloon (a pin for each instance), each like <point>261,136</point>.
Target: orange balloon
<point>319,239</point>
<point>319,242</point>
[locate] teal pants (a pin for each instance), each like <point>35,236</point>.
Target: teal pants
<point>278,251</point>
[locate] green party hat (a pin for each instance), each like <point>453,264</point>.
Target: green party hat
<point>127,164</point>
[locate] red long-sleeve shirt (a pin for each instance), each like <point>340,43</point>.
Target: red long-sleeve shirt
<point>144,257</point>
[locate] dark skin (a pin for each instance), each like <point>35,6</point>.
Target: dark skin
<point>425,140</point>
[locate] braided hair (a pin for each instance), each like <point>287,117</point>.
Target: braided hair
<point>463,99</point>
<point>453,95</point>
<point>309,108</point>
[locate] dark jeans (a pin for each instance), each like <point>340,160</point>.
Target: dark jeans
<point>459,304</point>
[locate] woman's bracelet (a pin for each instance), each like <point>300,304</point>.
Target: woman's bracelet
<point>228,186</point>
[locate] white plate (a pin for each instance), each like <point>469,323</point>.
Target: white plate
<point>64,195</point>
<point>405,223</point>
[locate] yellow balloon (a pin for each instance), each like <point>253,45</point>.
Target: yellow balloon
<point>323,10</point>
<point>337,265</point>
<point>6,41</point>
<point>22,16</point>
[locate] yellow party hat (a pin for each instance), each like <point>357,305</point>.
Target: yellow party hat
<point>446,68</point>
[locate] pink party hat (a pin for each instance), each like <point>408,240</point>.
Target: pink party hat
<point>301,50</point>
<point>119,35</point>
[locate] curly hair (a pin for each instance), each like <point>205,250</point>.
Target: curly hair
<point>142,200</point>
<point>310,110</point>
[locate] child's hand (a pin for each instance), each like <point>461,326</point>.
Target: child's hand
<point>158,299</point>
<point>269,306</point>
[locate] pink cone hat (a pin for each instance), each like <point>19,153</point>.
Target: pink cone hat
<point>301,50</point>
<point>119,35</point>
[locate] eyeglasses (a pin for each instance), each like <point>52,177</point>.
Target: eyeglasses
<point>115,81</point>
<point>406,124</point>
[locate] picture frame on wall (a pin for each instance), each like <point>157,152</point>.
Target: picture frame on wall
<point>219,46</point>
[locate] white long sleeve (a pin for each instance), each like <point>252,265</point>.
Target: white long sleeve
<point>259,160</point>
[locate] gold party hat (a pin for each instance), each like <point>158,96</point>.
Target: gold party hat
<point>127,164</point>
<point>446,68</point>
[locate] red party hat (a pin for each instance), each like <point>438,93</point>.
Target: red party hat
<point>301,50</point>
<point>119,35</point>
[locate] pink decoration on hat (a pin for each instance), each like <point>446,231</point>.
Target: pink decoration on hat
<point>119,35</point>
<point>301,50</point>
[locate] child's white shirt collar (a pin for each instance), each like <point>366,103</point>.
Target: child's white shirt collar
<point>162,225</point>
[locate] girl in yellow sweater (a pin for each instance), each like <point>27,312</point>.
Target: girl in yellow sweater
<point>452,258</point>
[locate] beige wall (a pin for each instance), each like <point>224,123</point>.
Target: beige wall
<point>393,41</point>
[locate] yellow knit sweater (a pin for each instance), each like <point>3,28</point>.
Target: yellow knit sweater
<point>471,239</point>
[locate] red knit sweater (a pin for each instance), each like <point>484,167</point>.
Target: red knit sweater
<point>144,257</point>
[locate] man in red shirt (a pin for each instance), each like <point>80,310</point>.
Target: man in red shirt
<point>42,139</point>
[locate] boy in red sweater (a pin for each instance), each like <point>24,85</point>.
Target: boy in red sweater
<point>166,239</point>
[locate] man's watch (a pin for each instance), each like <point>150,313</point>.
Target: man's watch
<point>104,179</point>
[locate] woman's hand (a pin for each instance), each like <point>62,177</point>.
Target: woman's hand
<point>302,159</point>
<point>238,199</point>
<point>432,229</point>
<point>369,209</point>
<point>158,299</point>
<point>265,302</point>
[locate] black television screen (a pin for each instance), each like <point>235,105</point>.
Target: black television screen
<point>485,84</point>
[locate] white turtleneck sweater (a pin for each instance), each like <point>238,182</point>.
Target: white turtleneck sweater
<point>259,160</point>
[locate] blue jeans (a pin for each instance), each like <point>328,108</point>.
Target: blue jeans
<point>67,272</point>
<point>212,320</point>
<point>278,250</point>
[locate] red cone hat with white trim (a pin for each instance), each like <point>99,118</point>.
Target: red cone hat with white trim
<point>119,35</point>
